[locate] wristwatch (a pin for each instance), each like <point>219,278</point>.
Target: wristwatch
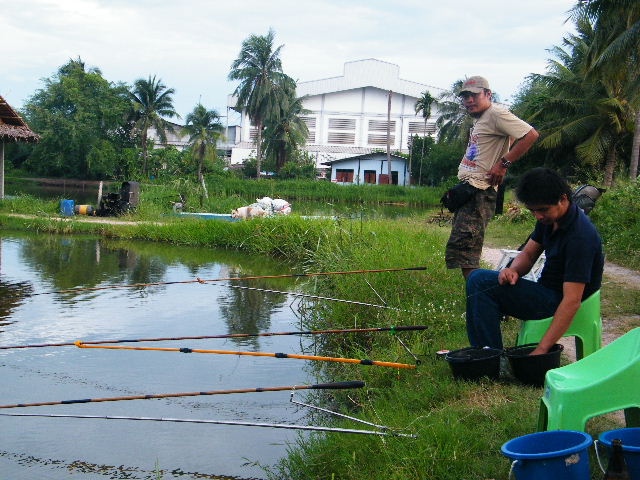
<point>505,163</point>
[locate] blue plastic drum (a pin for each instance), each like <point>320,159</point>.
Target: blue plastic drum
<point>557,454</point>
<point>630,438</point>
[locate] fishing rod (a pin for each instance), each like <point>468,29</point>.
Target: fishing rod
<point>295,294</point>
<point>392,329</point>
<point>200,280</point>
<point>254,354</point>
<point>319,386</point>
<point>219,422</point>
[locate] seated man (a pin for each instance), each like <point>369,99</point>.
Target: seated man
<point>572,271</point>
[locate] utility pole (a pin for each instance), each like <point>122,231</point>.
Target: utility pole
<point>390,179</point>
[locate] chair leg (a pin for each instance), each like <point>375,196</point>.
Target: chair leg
<point>579,348</point>
<point>543,417</point>
<point>632,416</point>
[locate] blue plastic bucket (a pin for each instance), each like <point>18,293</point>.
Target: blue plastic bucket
<point>630,438</point>
<point>66,207</point>
<point>557,454</point>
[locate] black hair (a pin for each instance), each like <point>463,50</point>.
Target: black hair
<point>542,186</point>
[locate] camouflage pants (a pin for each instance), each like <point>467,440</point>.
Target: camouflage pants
<point>467,234</point>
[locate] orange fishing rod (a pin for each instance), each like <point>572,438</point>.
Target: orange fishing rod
<point>319,386</point>
<point>200,280</point>
<point>254,354</point>
<point>393,330</point>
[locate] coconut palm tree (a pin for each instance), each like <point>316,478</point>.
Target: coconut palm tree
<point>423,106</point>
<point>453,122</point>
<point>588,112</point>
<point>204,129</point>
<point>286,132</point>
<point>616,44</point>
<point>259,70</point>
<point>151,101</point>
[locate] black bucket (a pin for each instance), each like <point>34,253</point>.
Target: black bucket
<point>474,363</point>
<point>531,369</point>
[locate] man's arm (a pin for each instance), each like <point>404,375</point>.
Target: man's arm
<point>522,264</point>
<point>571,299</point>
<point>522,146</point>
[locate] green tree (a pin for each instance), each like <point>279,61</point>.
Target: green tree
<point>453,122</point>
<point>151,100</point>
<point>423,106</point>
<point>81,118</point>
<point>258,68</point>
<point>286,132</point>
<point>590,113</point>
<point>205,130</point>
<point>615,48</point>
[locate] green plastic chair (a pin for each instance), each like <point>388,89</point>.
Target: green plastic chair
<point>586,327</point>
<point>605,381</point>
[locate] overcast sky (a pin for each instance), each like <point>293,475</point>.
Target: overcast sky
<point>190,44</point>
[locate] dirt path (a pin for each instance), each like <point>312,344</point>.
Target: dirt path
<point>612,326</point>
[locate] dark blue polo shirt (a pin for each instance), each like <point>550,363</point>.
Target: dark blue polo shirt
<point>573,251</point>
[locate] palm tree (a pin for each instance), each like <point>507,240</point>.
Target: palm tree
<point>259,70</point>
<point>204,129</point>
<point>584,111</point>
<point>616,45</point>
<point>286,132</point>
<point>423,105</point>
<point>453,122</point>
<point>151,100</point>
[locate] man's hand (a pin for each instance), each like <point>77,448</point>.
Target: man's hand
<point>539,351</point>
<point>496,174</point>
<point>508,276</point>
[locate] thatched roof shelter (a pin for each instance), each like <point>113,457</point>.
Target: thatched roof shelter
<point>12,127</point>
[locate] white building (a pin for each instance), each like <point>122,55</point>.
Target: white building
<point>348,114</point>
<point>370,168</point>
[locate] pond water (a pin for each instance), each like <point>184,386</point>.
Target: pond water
<point>62,448</point>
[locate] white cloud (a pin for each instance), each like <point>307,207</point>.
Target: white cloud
<point>191,44</point>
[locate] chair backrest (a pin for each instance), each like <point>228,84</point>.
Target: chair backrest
<point>624,351</point>
<point>590,308</point>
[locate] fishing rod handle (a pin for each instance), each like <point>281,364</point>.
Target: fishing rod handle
<point>338,385</point>
<point>409,327</point>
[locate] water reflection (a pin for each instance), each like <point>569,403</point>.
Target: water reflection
<point>60,448</point>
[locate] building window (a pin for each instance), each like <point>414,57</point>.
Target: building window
<point>342,138</point>
<point>311,126</point>
<point>342,124</point>
<point>417,128</point>
<point>381,125</point>
<point>344,175</point>
<point>380,139</point>
<point>369,176</point>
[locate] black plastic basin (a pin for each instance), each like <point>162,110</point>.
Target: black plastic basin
<point>474,363</point>
<point>531,369</point>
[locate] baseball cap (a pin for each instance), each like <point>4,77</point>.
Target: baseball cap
<point>474,84</point>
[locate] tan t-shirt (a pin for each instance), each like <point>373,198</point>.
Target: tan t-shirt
<point>489,140</point>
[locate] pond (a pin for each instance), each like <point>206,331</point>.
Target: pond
<point>60,448</point>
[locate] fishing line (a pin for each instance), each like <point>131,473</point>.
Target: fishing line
<point>392,329</point>
<point>254,354</point>
<point>220,422</point>
<point>200,280</point>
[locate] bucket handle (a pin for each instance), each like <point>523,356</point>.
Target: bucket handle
<point>595,445</point>
<point>513,464</point>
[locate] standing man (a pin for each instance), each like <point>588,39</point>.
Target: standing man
<point>572,270</point>
<point>483,166</point>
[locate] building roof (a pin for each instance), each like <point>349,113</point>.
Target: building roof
<point>366,156</point>
<point>12,127</point>
<point>366,73</point>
